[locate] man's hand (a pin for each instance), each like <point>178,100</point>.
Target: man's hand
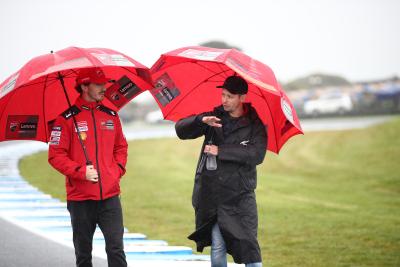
<point>211,149</point>
<point>91,174</point>
<point>212,121</point>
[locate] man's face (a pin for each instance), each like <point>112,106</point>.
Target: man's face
<point>231,102</point>
<point>94,91</point>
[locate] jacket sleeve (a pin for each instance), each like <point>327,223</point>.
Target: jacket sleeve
<point>59,148</point>
<point>253,153</point>
<point>191,127</point>
<point>120,147</point>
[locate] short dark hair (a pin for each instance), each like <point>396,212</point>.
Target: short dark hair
<point>78,87</point>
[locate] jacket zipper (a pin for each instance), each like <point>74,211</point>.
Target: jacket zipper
<point>97,158</point>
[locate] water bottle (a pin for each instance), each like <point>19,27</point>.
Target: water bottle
<point>211,163</point>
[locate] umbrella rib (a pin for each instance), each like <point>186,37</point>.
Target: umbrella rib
<point>51,82</point>
<point>44,113</point>
<point>29,84</point>
<point>276,139</point>
<point>200,83</point>
<point>84,55</point>
<point>255,93</point>
<point>174,65</point>
<point>198,63</point>
<point>68,74</point>
<point>122,67</point>
<point>125,68</point>
<point>54,79</point>
<point>218,64</point>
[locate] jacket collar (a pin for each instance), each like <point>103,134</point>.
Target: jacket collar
<point>83,104</point>
<point>245,120</point>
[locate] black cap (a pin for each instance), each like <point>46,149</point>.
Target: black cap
<point>235,85</point>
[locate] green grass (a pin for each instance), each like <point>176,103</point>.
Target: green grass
<point>329,198</point>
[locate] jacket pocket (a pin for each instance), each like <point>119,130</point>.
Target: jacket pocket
<point>115,170</point>
<point>121,169</point>
<point>248,180</point>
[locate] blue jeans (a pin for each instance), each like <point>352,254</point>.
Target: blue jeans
<point>218,250</point>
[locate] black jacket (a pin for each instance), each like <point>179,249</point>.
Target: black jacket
<point>226,196</point>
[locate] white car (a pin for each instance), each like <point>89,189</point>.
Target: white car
<point>154,117</point>
<point>329,104</point>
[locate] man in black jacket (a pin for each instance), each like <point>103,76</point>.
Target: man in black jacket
<point>223,195</point>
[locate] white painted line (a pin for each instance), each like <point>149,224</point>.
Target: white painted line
<point>14,183</point>
<point>20,197</point>
<point>171,263</point>
<point>99,235</point>
<point>128,243</point>
<point>29,205</point>
<point>48,213</point>
<point>18,189</point>
<point>45,224</point>
<point>157,249</point>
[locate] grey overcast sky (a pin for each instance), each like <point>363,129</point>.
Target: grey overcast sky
<point>358,39</point>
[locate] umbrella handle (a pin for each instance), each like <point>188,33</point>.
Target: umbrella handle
<point>88,162</point>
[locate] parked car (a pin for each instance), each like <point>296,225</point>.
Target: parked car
<point>337,103</point>
<point>154,117</point>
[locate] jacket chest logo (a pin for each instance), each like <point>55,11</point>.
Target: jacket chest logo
<point>82,126</point>
<point>83,135</point>
<point>245,142</point>
<point>107,125</point>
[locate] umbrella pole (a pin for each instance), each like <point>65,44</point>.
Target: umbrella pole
<point>88,162</point>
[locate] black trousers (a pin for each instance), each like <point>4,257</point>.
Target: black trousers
<point>85,215</point>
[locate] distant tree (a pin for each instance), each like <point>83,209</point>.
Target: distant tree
<point>219,44</point>
<point>316,80</point>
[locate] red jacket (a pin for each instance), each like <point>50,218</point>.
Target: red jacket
<point>106,147</point>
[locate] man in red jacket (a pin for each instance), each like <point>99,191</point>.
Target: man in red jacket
<point>92,190</point>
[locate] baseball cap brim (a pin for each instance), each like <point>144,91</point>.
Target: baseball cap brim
<point>100,80</point>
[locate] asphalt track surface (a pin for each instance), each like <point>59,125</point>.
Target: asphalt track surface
<point>19,247</point>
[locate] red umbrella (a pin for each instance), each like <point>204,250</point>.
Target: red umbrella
<point>186,79</point>
<point>34,96</point>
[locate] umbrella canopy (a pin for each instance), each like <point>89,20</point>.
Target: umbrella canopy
<point>185,82</point>
<point>34,96</point>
